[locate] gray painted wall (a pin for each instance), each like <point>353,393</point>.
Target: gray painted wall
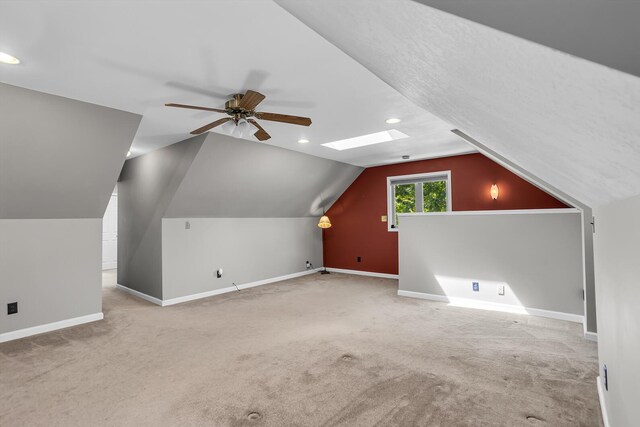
<point>539,256</point>
<point>146,187</point>
<point>216,176</point>
<point>247,249</point>
<point>589,283</point>
<point>602,31</point>
<point>59,161</point>
<point>234,178</point>
<point>617,254</point>
<point>51,267</point>
<point>59,158</point>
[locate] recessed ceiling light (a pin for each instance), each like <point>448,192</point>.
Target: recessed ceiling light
<point>303,141</point>
<point>8,59</point>
<point>393,121</point>
<point>361,141</point>
<point>128,153</point>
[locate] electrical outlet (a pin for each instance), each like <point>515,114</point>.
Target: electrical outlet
<point>12,308</point>
<point>358,259</point>
<point>383,218</point>
<point>308,265</point>
<point>219,273</point>
<point>476,286</point>
<point>187,225</point>
<point>500,289</point>
<point>606,377</point>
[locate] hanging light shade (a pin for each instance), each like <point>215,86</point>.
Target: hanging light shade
<point>494,192</point>
<point>324,222</point>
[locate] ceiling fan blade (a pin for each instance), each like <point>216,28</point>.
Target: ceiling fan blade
<point>193,107</point>
<point>261,134</point>
<point>211,125</point>
<point>251,99</point>
<point>284,118</point>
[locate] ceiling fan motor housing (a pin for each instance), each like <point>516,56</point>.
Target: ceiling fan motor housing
<point>234,109</point>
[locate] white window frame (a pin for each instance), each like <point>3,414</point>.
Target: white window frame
<point>423,177</point>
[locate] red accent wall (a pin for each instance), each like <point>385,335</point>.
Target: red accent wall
<point>357,229</point>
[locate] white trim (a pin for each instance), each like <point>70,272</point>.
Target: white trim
<point>363,273</point>
<point>278,279</point>
<point>139,294</point>
<point>500,212</point>
<point>494,306</point>
<point>200,295</point>
<point>426,176</point>
<point>186,298</point>
<point>591,336</point>
<point>603,406</point>
<point>48,327</point>
<point>109,265</point>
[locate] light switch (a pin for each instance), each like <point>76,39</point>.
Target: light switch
<point>383,218</point>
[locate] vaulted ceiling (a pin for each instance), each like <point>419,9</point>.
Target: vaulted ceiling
<point>136,56</point>
<point>349,65</point>
<point>571,122</point>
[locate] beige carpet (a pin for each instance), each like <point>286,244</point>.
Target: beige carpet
<point>319,350</point>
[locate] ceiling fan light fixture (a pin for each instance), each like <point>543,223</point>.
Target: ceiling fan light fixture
<point>8,59</point>
<point>392,121</point>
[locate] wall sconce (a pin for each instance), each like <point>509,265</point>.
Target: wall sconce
<point>324,222</point>
<point>494,192</point>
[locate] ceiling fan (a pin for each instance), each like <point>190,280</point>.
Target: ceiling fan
<point>242,107</point>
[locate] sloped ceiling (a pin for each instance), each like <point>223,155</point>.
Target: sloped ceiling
<point>138,55</point>
<point>59,158</point>
<point>232,178</point>
<point>569,121</point>
<point>601,31</point>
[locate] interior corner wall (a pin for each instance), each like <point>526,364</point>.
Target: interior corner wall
<point>358,231</point>
<point>252,209</point>
<point>247,249</point>
<point>59,161</point>
<point>617,252</point>
<point>146,187</point>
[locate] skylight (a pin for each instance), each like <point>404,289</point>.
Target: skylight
<point>361,141</point>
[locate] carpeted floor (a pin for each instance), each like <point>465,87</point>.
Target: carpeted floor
<point>318,350</point>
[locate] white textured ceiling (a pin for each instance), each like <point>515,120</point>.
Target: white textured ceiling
<point>571,122</point>
<point>137,55</point>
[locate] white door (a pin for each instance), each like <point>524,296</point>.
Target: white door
<point>110,235</point>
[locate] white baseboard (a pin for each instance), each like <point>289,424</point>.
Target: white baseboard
<point>40,329</point>
<point>178,300</point>
<point>493,306</point>
<point>603,407</point>
<point>139,294</point>
<point>591,336</point>
<point>363,273</point>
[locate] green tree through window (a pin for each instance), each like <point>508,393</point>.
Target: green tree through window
<point>434,196</point>
<point>405,199</point>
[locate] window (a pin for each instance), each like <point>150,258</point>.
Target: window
<point>421,193</point>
